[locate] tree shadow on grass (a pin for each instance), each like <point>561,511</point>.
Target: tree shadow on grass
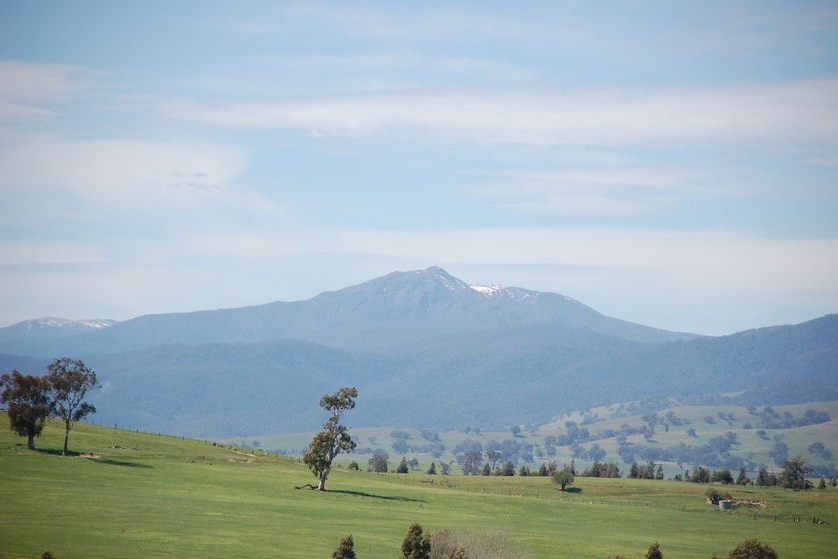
<point>113,462</point>
<point>371,495</point>
<point>92,457</point>
<point>571,490</point>
<point>56,452</point>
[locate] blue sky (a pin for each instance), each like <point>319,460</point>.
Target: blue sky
<point>669,163</point>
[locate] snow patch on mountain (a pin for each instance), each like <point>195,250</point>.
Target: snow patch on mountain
<point>488,290</point>
<point>97,322</point>
<point>56,322</point>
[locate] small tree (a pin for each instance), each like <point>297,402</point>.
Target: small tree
<point>752,549</point>
<point>378,462</point>
<point>345,550</point>
<point>334,438</point>
<point>563,478</point>
<point>654,552</point>
<point>794,473</point>
<point>69,382</point>
<point>471,462</point>
<point>723,476</point>
<point>28,406</point>
<point>416,545</point>
<point>402,467</point>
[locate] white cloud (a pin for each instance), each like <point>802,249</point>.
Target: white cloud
<point>800,112</point>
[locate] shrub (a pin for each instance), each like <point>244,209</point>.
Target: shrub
<point>481,544</point>
<point>654,552</point>
<point>345,550</point>
<point>752,549</point>
<point>416,544</point>
<point>715,495</point>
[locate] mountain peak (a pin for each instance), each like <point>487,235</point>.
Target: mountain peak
<point>444,278</point>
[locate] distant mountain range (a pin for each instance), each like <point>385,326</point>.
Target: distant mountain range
<point>399,308</point>
<point>424,349</point>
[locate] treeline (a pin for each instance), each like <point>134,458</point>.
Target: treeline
<point>767,418</point>
<point>715,453</point>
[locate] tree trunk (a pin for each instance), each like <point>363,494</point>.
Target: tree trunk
<point>66,436</point>
<point>322,485</point>
<point>30,441</point>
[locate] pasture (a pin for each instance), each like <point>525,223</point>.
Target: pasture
<point>129,494</point>
<point>752,443</point>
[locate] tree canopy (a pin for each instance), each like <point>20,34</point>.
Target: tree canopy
<point>752,549</point>
<point>563,478</point>
<point>69,381</point>
<point>346,550</point>
<point>794,472</point>
<point>417,544</point>
<point>27,403</point>
<point>334,438</point>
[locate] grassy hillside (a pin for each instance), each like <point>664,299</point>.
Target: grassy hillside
<point>755,435</point>
<point>130,494</point>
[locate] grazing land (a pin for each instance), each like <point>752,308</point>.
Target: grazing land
<point>634,430</point>
<point>128,494</point>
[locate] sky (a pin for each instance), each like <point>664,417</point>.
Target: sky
<point>670,163</point>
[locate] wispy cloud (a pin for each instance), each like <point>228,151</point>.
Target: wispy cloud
<point>36,82</point>
<point>29,91</point>
<point>602,192</point>
<point>118,174</point>
<point>763,113</point>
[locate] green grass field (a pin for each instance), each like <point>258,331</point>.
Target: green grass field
<point>138,495</point>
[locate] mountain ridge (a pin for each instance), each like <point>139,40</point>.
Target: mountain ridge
<point>424,349</point>
<point>394,309</point>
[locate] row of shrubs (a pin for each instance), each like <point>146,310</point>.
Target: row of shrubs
<point>446,544</point>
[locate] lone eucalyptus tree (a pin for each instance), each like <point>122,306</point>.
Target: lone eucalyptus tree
<point>334,438</point>
<point>69,382</point>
